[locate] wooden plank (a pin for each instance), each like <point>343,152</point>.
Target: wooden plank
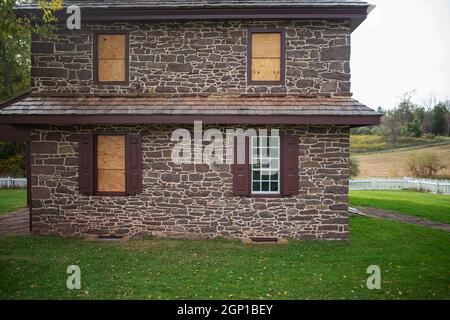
<point>266,69</point>
<point>14,133</point>
<point>111,180</point>
<point>111,70</point>
<point>110,152</point>
<point>111,46</point>
<point>110,163</point>
<point>86,164</point>
<point>266,45</point>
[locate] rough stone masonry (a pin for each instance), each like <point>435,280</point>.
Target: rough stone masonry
<point>190,200</point>
<point>197,58</point>
<point>192,58</point>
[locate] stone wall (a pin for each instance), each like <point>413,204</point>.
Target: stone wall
<point>192,201</point>
<point>197,58</point>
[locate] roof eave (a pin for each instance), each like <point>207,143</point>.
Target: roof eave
<point>356,14</point>
<point>354,121</point>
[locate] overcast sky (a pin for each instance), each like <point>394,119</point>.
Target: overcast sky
<point>403,45</point>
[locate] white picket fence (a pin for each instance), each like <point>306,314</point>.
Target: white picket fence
<point>429,185</point>
<point>10,183</point>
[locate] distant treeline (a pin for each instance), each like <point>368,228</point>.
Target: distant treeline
<point>409,119</point>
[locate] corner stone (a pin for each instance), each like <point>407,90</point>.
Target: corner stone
<point>335,53</point>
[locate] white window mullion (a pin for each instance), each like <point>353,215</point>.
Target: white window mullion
<point>269,170</point>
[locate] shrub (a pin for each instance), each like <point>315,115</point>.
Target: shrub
<point>354,167</point>
<point>363,130</point>
<point>12,159</point>
<point>423,165</point>
<point>413,129</point>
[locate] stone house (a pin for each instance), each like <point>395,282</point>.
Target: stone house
<point>106,100</point>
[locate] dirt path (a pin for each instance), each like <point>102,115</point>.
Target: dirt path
<point>392,215</point>
<point>14,223</point>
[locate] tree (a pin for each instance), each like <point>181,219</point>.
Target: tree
<point>406,107</point>
<point>390,126</point>
<point>447,105</point>
<point>380,110</point>
<point>414,128</point>
<point>439,119</point>
<point>12,160</point>
<point>354,167</point>
<point>427,120</point>
<point>15,43</point>
<point>15,63</point>
<point>403,120</point>
<point>406,112</point>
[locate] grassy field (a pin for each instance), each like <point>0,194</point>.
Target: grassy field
<point>424,205</point>
<point>12,199</point>
<point>414,262</point>
<point>391,164</point>
<point>374,143</point>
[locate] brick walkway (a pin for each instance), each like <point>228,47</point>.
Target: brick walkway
<point>15,223</point>
<point>391,215</point>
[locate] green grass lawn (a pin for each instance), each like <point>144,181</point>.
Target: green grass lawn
<point>12,199</point>
<point>424,205</point>
<point>414,262</point>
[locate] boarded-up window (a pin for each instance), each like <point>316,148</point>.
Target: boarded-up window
<point>111,58</point>
<point>111,163</point>
<point>266,56</point>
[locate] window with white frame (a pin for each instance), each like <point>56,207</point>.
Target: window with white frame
<point>265,164</point>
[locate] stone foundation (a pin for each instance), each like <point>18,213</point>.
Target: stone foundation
<point>190,201</point>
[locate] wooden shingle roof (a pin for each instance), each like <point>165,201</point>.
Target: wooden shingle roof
<point>188,105</point>
<point>288,109</point>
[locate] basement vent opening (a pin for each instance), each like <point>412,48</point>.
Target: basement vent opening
<point>109,238</point>
<point>264,239</point>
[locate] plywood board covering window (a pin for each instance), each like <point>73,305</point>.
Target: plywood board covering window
<point>266,56</point>
<point>110,163</point>
<point>111,57</point>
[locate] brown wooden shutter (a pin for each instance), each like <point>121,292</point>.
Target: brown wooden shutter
<point>241,172</point>
<point>290,175</point>
<point>86,164</point>
<point>134,164</point>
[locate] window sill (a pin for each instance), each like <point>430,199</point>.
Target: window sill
<point>266,83</point>
<point>111,83</point>
<point>110,194</point>
<point>266,195</point>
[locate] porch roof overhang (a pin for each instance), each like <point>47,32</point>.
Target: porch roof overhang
<point>35,110</point>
